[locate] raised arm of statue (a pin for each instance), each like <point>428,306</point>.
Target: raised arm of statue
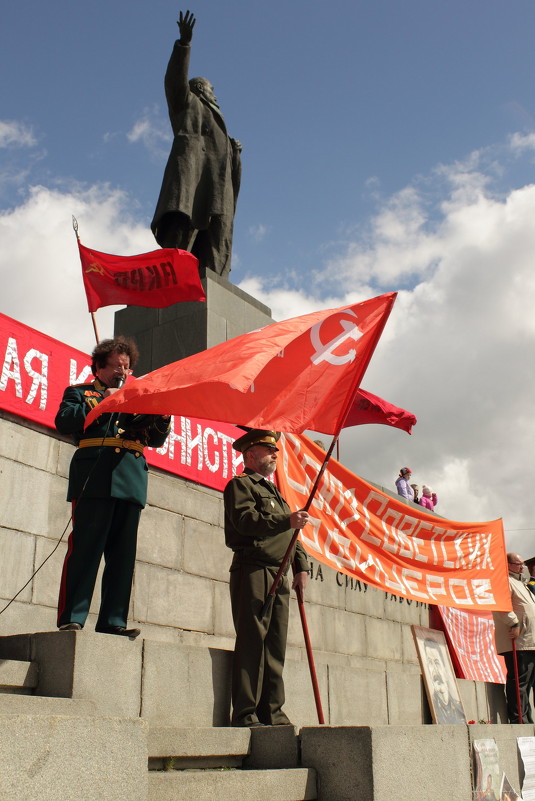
<point>186,23</point>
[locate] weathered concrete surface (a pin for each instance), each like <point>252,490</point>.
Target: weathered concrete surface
<point>382,762</point>
<point>72,759</point>
<point>245,785</point>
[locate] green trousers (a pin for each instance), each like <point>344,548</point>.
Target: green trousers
<point>101,526</point>
<point>257,684</point>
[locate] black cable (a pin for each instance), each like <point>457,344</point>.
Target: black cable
<point>68,522</point>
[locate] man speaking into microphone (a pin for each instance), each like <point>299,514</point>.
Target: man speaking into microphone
<point>108,490</point>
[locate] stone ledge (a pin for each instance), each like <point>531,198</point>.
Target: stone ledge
<point>245,785</point>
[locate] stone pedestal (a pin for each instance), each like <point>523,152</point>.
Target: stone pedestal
<point>167,335</point>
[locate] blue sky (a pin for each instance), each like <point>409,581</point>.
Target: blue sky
<point>387,145</point>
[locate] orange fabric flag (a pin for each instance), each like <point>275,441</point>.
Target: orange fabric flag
<point>290,376</point>
<point>397,547</point>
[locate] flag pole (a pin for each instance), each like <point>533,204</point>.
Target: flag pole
<point>93,320</point>
<point>339,425</point>
<point>310,655</point>
<point>517,685</point>
<point>276,581</point>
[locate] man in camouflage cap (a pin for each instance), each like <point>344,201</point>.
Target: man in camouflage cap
<point>258,528</point>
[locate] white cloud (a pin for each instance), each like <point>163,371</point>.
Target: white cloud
<point>16,134</point>
<point>521,142</point>
<point>458,348</point>
<point>152,132</point>
<point>39,262</point>
<point>258,232</point>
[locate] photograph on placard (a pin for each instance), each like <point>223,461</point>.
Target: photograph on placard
<point>439,678</point>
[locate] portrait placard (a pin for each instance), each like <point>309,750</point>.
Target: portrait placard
<point>439,679</point>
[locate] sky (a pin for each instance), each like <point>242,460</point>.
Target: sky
<point>387,146</point>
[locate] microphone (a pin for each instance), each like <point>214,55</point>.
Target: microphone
<point>119,383</point>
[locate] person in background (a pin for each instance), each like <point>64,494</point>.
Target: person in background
<point>415,490</point>
<point>530,564</point>
<point>517,626</point>
<point>429,498</point>
<point>403,484</point>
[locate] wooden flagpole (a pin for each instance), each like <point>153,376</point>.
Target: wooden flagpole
<point>93,319</point>
<point>276,581</point>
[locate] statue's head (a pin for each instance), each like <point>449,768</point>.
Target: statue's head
<point>203,88</point>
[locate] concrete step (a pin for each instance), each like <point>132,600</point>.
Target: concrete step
<point>18,676</point>
<point>181,749</point>
<point>11,704</point>
<point>298,784</point>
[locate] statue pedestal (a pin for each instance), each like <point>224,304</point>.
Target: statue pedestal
<point>167,335</point>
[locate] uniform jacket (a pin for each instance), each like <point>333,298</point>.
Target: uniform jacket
<point>257,523</point>
<point>202,176</point>
<point>523,613</point>
<point>111,474</point>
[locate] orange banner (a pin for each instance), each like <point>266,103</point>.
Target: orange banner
<point>399,548</point>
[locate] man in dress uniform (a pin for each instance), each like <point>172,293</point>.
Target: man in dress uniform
<point>258,528</point>
<point>108,490</point>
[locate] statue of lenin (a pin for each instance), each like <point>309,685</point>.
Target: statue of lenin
<point>195,210</point>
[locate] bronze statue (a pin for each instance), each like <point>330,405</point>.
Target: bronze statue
<point>195,210</point>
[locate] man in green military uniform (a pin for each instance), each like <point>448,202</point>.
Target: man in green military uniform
<point>258,527</point>
<point>108,489</point>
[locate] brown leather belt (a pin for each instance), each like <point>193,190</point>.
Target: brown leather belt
<point>111,442</point>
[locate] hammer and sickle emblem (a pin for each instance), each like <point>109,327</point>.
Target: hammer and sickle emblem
<point>324,352</point>
<point>95,267</point>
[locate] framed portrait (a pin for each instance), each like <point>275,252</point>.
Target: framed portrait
<point>439,678</point>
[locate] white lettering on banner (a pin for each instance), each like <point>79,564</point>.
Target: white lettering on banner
<point>324,352</point>
<point>38,379</point>
<point>212,447</point>
<point>193,442</point>
<point>212,466</point>
<point>11,358</point>
<point>74,378</point>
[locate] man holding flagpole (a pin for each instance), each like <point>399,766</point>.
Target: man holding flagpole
<point>258,528</point>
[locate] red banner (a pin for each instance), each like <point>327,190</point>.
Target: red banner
<point>470,637</point>
<point>156,279</point>
<point>401,549</point>
<point>35,369</point>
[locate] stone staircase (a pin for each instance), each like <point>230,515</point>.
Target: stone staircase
<point>66,747</point>
<point>88,717</point>
<point>207,764</point>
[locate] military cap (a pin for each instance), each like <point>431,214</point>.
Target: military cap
<point>257,436</point>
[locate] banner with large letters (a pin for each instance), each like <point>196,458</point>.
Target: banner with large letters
<point>35,369</point>
<point>371,536</point>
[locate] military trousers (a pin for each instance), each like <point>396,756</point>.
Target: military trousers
<point>258,662</point>
<point>101,526</point>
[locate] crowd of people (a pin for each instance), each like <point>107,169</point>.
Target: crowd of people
<point>411,492</point>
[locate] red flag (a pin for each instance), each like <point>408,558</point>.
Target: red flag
<point>291,376</point>
<point>368,408</point>
<point>157,279</point>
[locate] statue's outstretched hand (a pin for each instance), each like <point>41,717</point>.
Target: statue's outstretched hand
<point>186,23</point>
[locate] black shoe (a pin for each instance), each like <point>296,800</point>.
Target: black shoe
<point>70,627</point>
<point>120,630</point>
